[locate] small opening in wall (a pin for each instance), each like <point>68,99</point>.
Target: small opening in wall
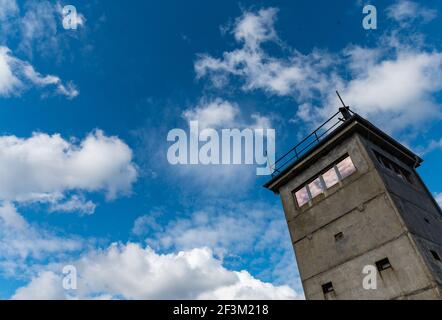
<point>327,288</point>
<point>435,255</point>
<point>426,220</point>
<point>339,236</point>
<point>383,264</point>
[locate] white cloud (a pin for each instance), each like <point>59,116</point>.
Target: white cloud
<point>76,203</point>
<point>8,80</point>
<point>47,286</point>
<point>254,28</point>
<point>209,228</point>
<point>36,24</point>
<point>230,230</point>
<point>8,8</point>
<point>405,12</point>
<point>218,113</point>
<point>393,83</point>
<point>144,223</point>
<point>214,114</point>
<point>17,75</point>
<point>249,288</point>
<point>132,272</point>
<point>39,27</point>
<point>397,91</point>
<point>10,217</point>
<point>296,76</point>
<point>221,114</point>
<point>20,240</point>
<point>43,167</point>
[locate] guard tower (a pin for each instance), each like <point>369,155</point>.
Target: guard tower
<point>352,198</point>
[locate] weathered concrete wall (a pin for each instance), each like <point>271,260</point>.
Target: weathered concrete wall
<point>373,220</point>
<point>418,210</point>
<point>405,278</point>
<point>363,229</point>
<point>435,266</point>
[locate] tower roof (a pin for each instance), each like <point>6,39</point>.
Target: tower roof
<point>340,126</point>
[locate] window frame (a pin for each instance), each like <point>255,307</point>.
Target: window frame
<point>383,264</point>
<point>323,184</point>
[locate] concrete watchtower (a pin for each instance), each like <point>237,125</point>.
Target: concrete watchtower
<point>352,198</point>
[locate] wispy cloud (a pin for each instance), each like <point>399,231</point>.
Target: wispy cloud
<point>8,9</point>
<point>75,203</point>
<point>37,26</point>
<point>406,12</point>
<point>26,29</point>
<point>18,75</point>
<point>22,243</point>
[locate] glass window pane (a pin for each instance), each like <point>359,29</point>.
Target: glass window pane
<point>330,178</point>
<point>346,167</point>
<point>406,175</point>
<point>315,188</point>
<point>302,196</point>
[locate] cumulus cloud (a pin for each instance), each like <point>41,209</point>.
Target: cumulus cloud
<point>18,75</point>
<point>393,83</point>
<point>43,167</point>
<point>397,91</point>
<point>132,272</point>
<point>230,231</point>
<point>47,286</point>
<point>219,113</point>
<point>215,114</point>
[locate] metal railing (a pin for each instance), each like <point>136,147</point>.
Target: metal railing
<point>311,140</point>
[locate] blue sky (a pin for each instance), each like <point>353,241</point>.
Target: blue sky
<point>84,116</point>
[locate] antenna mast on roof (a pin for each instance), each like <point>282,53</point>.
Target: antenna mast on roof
<point>345,110</point>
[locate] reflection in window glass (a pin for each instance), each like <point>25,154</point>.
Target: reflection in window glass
<point>315,188</point>
<point>346,167</point>
<point>330,178</point>
<point>302,196</point>
<point>324,181</point>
